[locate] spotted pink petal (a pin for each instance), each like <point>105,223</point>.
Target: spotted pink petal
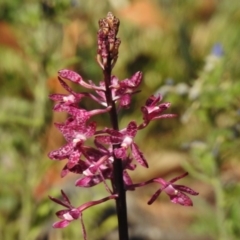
<point>70,75</point>
<point>105,139</point>
<point>76,112</point>
<point>57,96</point>
<point>138,155</point>
<point>132,129</point>
<point>128,181</point>
<point>185,189</point>
<point>133,82</point>
<point>76,78</point>
<point>114,133</point>
<point>90,130</point>
<point>88,181</point>
<point>181,198</point>
<point>120,153</point>
<point>74,158</point>
<point>66,130</point>
<point>125,101</point>
<point>62,152</point>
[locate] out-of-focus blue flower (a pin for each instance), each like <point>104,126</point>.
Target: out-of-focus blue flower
<point>217,50</point>
<point>169,82</point>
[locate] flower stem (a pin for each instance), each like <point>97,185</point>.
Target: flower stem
<point>117,182</point>
<point>220,209</point>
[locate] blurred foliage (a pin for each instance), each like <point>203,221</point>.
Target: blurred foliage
<point>188,51</point>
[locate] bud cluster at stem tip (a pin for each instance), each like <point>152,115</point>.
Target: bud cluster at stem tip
<point>108,43</point>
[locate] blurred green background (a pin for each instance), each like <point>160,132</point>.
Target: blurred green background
<point>188,50</point>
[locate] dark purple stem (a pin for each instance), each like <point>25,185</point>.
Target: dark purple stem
<point>117,182</point>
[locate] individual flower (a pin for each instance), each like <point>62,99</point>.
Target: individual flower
<point>122,140</point>
<point>75,136</point>
<point>67,99</point>
<point>73,213</point>
<point>153,110</point>
<point>67,215</point>
<point>99,167</point>
<point>96,167</point>
<point>177,193</point>
<point>122,90</point>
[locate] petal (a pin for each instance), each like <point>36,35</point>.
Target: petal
<point>90,130</point>
<point>78,168</point>
<point>154,196</point>
<point>181,198</point>
<point>185,189</point>
<point>120,153</point>
<point>81,115</point>
<point>164,116</point>
<point>76,78</point>
<point>57,96</point>
<point>74,158</point>
<point>65,198</point>
<point>128,181</point>
<point>65,130</point>
<point>138,156</point>
<point>62,152</point>
<point>133,82</point>
<point>163,106</point>
<point>93,154</point>
<point>60,214</point>
<point>64,171</point>
<point>114,133</point>
<point>93,168</point>
<point>88,181</point>
<point>136,79</point>
<point>61,224</point>
<point>132,129</point>
<point>178,177</point>
<point>105,139</point>
<point>70,75</point>
<point>153,100</point>
<point>74,213</point>
<point>154,112</point>
<point>127,164</point>
<point>125,101</point>
<point>69,215</point>
<point>59,202</point>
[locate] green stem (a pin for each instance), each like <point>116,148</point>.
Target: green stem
<point>220,210</point>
